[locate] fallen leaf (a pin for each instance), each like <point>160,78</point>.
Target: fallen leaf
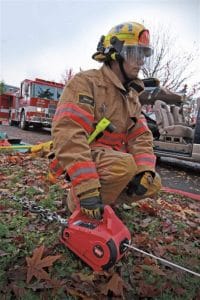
<point>153,268</point>
<point>179,291</point>
<point>73,292</point>
<point>148,208</point>
<point>141,239</point>
<point>18,291</point>
<point>18,239</point>
<point>17,273</point>
<point>197,232</point>
<point>149,261</point>
<point>36,264</point>
<point>171,249</point>
<point>146,222</point>
<point>169,239</point>
<point>3,177</point>
<point>159,250</point>
<point>115,285</point>
<point>83,277</point>
<point>147,290</point>
<point>176,209</point>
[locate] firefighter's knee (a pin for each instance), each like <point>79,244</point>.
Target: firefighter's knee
<point>116,176</point>
<point>124,168</point>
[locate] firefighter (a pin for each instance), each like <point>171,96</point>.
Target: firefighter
<point>119,160</point>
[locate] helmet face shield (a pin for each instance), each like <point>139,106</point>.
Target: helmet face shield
<point>130,40</point>
<point>136,54</point>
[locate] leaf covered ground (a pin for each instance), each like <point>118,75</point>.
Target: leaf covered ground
<point>35,265</point>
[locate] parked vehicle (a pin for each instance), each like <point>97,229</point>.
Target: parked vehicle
<point>195,104</point>
<point>35,103</point>
<point>6,99</point>
<point>173,135</point>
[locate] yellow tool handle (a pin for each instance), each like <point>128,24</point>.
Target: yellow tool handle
<point>33,148</point>
<point>100,127</point>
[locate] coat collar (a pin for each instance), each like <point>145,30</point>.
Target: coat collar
<point>115,80</point>
<point>112,77</point>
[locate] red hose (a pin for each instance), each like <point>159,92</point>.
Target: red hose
<point>182,193</point>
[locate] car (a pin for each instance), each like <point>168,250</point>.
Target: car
<point>174,136</point>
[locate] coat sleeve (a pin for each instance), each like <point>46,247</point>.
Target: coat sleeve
<point>72,124</point>
<point>140,142</point>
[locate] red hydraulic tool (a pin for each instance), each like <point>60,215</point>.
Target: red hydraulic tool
<point>99,243</point>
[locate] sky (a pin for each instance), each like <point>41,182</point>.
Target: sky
<point>43,38</point>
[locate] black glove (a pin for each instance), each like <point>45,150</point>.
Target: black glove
<point>140,184</point>
<point>92,207</point>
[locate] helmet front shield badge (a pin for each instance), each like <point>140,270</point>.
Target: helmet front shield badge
<point>137,51</point>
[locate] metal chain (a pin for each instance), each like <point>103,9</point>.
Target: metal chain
<point>45,214</point>
<point>48,217</point>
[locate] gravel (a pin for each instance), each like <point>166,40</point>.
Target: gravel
<point>31,136</point>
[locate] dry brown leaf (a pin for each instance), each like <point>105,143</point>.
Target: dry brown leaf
<point>115,285</point>
<point>176,209</point>
<point>156,270</point>
<point>179,291</point>
<point>18,291</point>
<point>172,249</point>
<point>169,239</point>
<point>149,261</point>
<point>74,292</point>
<point>36,264</point>
<point>83,277</point>
<point>148,208</point>
<point>141,239</point>
<point>160,250</point>
<point>147,290</point>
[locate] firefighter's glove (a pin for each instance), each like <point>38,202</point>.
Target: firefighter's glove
<point>144,184</point>
<point>92,206</point>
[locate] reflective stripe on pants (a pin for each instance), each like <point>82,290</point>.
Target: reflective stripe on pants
<point>115,170</point>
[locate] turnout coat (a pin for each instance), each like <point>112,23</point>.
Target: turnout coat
<point>112,160</point>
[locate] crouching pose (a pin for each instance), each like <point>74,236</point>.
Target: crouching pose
<point>122,158</point>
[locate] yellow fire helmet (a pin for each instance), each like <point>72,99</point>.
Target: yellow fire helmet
<point>124,41</point>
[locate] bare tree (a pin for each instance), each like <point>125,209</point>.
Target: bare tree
<point>170,64</point>
<point>67,75</point>
<point>2,87</point>
<point>193,90</point>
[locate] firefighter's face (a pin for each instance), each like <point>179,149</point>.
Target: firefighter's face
<point>132,68</point>
<point>134,59</point>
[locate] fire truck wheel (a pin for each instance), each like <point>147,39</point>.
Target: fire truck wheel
<point>23,124</point>
<point>10,121</point>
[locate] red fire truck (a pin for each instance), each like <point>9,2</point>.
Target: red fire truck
<point>35,103</point>
<point>6,99</point>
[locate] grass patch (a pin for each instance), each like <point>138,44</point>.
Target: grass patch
<point>167,226</point>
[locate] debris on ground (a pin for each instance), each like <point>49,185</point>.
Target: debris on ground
<point>35,265</point>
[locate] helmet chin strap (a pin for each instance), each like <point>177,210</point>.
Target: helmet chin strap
<point>121,66</point>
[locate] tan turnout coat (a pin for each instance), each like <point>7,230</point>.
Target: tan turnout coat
<point>110,162</point>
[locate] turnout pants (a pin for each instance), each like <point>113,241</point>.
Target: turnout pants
<point>115,170</point>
